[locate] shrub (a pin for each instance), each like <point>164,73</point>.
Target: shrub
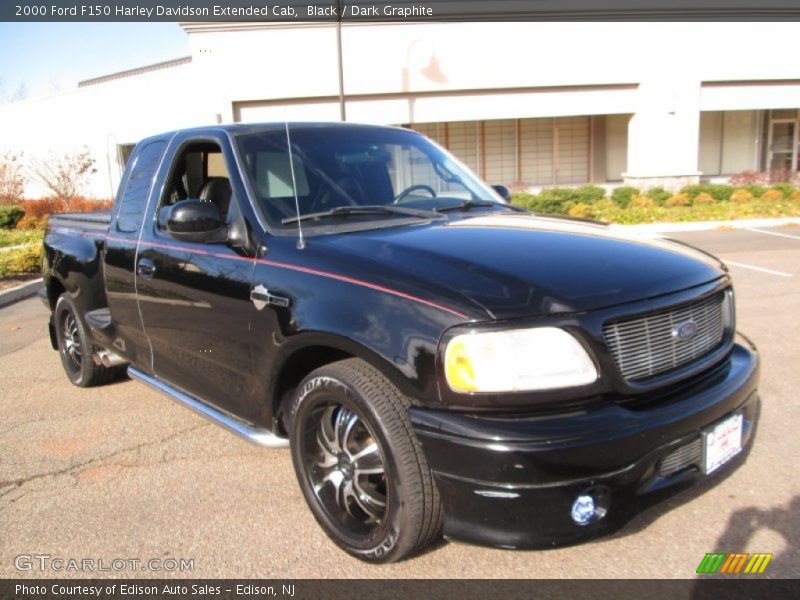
<point>772,195</point>
<point>21,260</point>
<point>606,204</point>
<point>704,198</point>
<point>43,207</point>
<point>748,178</point>
<point>741,196</point>
<point>31,223</point>
<point>623,195</point>
<point>12,179</point>
<point>10,216</point>
<point>679,200</point>
<point>721,192</point>
<point>718,191</point>
<point>756,190</point>
<point>659,195</point>
<point>589,194</point>
<point>642,202</point>
<point>523,199</point>
<point>787,189</point>
<point>82,204</point>
<point>554,201</point>
<point>796,195</point>
<point>581,210</point>
<point>763,177</point>
<point>18,237</point>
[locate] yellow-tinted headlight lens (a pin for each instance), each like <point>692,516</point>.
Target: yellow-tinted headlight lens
<point>517,360</point>
<point>460,374</point>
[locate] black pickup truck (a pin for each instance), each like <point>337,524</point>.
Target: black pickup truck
<point>437,359</point>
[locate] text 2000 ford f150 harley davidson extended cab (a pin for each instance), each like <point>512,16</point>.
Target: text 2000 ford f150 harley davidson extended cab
<point>437,360</point>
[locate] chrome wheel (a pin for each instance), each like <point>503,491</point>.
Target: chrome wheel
<point>72,348</point>
<point>346,467</point>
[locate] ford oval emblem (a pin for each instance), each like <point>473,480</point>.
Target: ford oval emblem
<point>685,331</point>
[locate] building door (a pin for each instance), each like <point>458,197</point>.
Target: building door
<point>782,145</point>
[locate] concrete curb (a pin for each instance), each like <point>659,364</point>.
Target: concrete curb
<point>704,225</point>
<point>26,290</point>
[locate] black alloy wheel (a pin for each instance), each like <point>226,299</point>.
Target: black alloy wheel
<point>75,347</point>
<point>360,467</point>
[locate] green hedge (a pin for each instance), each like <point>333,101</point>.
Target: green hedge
<point>10,215</point>
<point>627,204</point>
<point>557,200</point>
<point>21,260</point>
<point>623,195</point>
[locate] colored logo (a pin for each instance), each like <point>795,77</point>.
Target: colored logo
<point>685,331</point>
<point>734,563</point>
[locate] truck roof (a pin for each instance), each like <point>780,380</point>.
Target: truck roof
<point>234,128</point>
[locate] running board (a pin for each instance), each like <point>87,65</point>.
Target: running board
<point>256,435</point>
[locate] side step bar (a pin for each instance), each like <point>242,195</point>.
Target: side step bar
<point>256,435</point>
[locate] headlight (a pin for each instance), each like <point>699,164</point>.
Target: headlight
<point>539,358</point>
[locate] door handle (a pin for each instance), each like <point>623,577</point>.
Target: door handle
<point>146,268</point>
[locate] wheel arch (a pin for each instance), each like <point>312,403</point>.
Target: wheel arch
<point>311,351</point>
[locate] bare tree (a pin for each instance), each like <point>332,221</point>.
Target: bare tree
<point>12,178</point>
<point>20,93</point>
<point>65,176</point>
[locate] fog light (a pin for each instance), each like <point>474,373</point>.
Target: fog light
<point>585,510</point>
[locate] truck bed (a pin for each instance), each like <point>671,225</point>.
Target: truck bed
<point>99,219</point>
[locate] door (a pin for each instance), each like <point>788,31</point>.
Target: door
<point>119,258</point>
<point>195,297</point>
<point>782,145</point>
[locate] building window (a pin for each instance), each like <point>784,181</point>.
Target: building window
<point>728,142</point>
<point>523,153</point>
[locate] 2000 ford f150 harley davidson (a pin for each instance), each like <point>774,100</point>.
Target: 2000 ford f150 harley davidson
<point>437,360</point>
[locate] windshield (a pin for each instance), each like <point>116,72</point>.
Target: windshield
<point>339,166</point>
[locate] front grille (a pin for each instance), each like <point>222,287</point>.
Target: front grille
<point>649,345</point>
<point>689,455</point>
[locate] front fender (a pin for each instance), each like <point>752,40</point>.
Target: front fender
<point>396,334</point>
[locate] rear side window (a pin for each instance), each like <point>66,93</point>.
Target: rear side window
<point>133,202</point>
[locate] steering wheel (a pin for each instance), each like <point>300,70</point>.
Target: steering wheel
<point>419,186</point>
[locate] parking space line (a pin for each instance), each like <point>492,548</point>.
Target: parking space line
<point>775,233</point>
<point>761,269</point>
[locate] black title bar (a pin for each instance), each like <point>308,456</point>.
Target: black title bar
<point>705,588</point>
<point>402,10</point>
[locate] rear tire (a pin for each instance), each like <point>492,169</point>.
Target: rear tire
<point>75,347</point>
<point>359,465</point>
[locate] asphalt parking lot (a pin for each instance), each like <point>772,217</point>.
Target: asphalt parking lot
<point>122,472</point>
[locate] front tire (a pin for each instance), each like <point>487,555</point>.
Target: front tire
<point>361,469</point>
<point>76,347</point>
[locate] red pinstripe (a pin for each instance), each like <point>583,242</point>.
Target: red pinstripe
<point>281,265</point>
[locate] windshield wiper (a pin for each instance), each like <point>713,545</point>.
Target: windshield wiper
<point>371,209</point>
<point>468,204</point>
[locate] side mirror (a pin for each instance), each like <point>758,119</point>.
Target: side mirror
<point>195,221</point>
<point>503,191</point>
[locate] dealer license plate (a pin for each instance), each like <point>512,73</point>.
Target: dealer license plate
<point>722,442</point>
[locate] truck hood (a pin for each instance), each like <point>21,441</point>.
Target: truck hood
<point>514,265</point>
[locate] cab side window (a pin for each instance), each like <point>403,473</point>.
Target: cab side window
<point>199,172</point>
<point>133,202</point>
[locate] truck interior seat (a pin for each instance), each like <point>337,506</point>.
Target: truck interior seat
<point>218,191</point>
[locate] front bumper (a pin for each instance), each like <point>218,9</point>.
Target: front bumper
<point>511,482</point>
